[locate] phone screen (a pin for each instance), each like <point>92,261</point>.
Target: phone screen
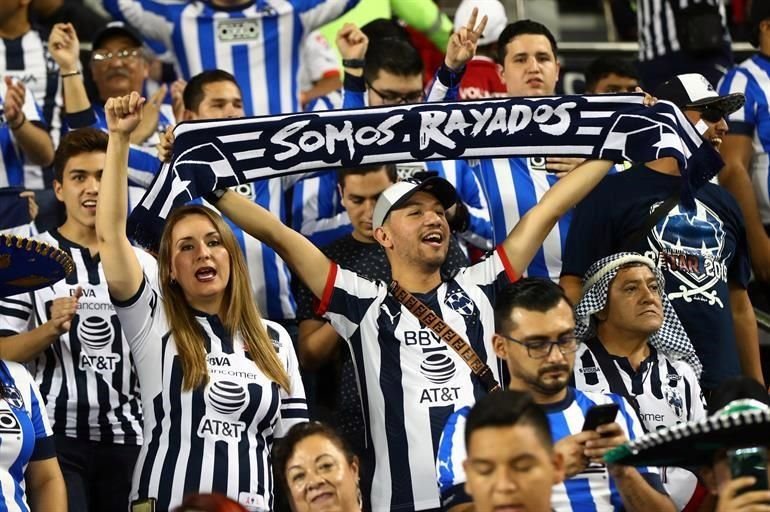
<point>749,462</point>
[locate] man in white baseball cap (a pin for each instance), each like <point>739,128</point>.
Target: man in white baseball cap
<point>482,78</point>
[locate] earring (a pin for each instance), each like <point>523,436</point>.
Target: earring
<point>360,496</point>
<point>172,281</point>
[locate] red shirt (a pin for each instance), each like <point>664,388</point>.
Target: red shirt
<point>481,80</point>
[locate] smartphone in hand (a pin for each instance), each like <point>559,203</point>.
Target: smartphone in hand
<point>600,415</point>
<point>749,462</point>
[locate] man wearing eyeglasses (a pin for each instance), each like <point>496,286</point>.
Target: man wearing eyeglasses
<point>701,249</point>
<point>535,335</point>
<point>118,66</point>
<point>633,345</point>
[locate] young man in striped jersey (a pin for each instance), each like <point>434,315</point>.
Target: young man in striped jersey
<point>630,335</point>
<point>529,66</point>
<point>386,70</point>
<point>534,334</point>
<point>411,381</point>
<point>746,147</point>
<point>258,42</point>
<point>505,430</point>
<point>73,340</point>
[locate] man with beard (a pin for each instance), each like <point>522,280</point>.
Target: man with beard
<point>532,318</point>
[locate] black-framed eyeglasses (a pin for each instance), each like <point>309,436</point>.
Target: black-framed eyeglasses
<point>708,113</point>
<point>127,54</point>
<point>542,349</point>
<point>393,98</point>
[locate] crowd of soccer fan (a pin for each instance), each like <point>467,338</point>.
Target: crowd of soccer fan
<point>286,346</point>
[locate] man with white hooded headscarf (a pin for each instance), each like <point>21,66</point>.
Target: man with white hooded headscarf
<point>634,345</point>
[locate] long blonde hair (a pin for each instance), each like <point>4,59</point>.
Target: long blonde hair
<point>240,311</point>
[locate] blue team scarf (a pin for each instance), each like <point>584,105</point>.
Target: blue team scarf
<point>218,154</point>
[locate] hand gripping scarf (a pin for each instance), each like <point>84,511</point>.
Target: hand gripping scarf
<point>671,338</point>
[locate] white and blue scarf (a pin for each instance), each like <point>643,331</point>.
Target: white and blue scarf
<point>211,155</point>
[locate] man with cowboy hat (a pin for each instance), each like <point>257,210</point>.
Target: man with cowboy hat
<point>633,345</point>
<point>741,422</point>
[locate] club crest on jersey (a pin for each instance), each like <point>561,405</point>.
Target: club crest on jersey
<point>225,400</point>
<point>674,400</point>
<point>459,302</point>
<point>237,30</point>
<point>690,244</point>
<point>12,396</point>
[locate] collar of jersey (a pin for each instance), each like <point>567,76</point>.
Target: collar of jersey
<point>562,404</point>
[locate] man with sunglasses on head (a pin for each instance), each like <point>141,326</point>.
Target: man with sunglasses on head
<point>700,250</point>
<point>535,336</point>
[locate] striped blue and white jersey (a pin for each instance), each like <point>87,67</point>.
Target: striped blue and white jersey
<point>259,43</point>
<point>752,78</point>
<point>593,489</point>
<point>512,187</point>
<point>663,393</point>
<point>217,437</point>
<point>15,173</point>
<point>317,210</point>
<point>410,380</point>
<point>657,26</point>
<point>87,377</point>
<point>269,275</point>
<point>25,434</point>
<point>27,59</point>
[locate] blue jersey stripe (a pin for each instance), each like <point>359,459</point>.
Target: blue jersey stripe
<point>526,199</point>
<point>14,168</point>
<point>207,47</point>
<point>272,65</point>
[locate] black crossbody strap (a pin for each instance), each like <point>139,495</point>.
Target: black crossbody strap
<point>632,241</point>
<point>431,320</point>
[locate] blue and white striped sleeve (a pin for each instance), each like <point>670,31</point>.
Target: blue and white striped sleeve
<point>743,120</point>
<point>316,13</point>
<point>293,403</point>
<point>449,461</point>
<point>44,445</point>
<point>151,18</point>
<point>479,232</point>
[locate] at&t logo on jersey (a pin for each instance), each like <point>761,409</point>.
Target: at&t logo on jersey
<point>691,245</point>
<point>225,400</point>
<point>9,424</point>
<point>437,367</point>
<point>96,335</point>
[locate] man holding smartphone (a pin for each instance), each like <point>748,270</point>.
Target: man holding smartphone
<point>535,335</point>
<point>633,345</point>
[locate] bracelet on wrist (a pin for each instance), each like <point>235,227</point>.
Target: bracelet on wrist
<point>20,124</point>
<point>71,73</point>
<point>215,195</point>
<point>353,63</point>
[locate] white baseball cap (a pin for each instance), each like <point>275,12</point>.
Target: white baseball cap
<point>394,197</point>
<point>492,9</point>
